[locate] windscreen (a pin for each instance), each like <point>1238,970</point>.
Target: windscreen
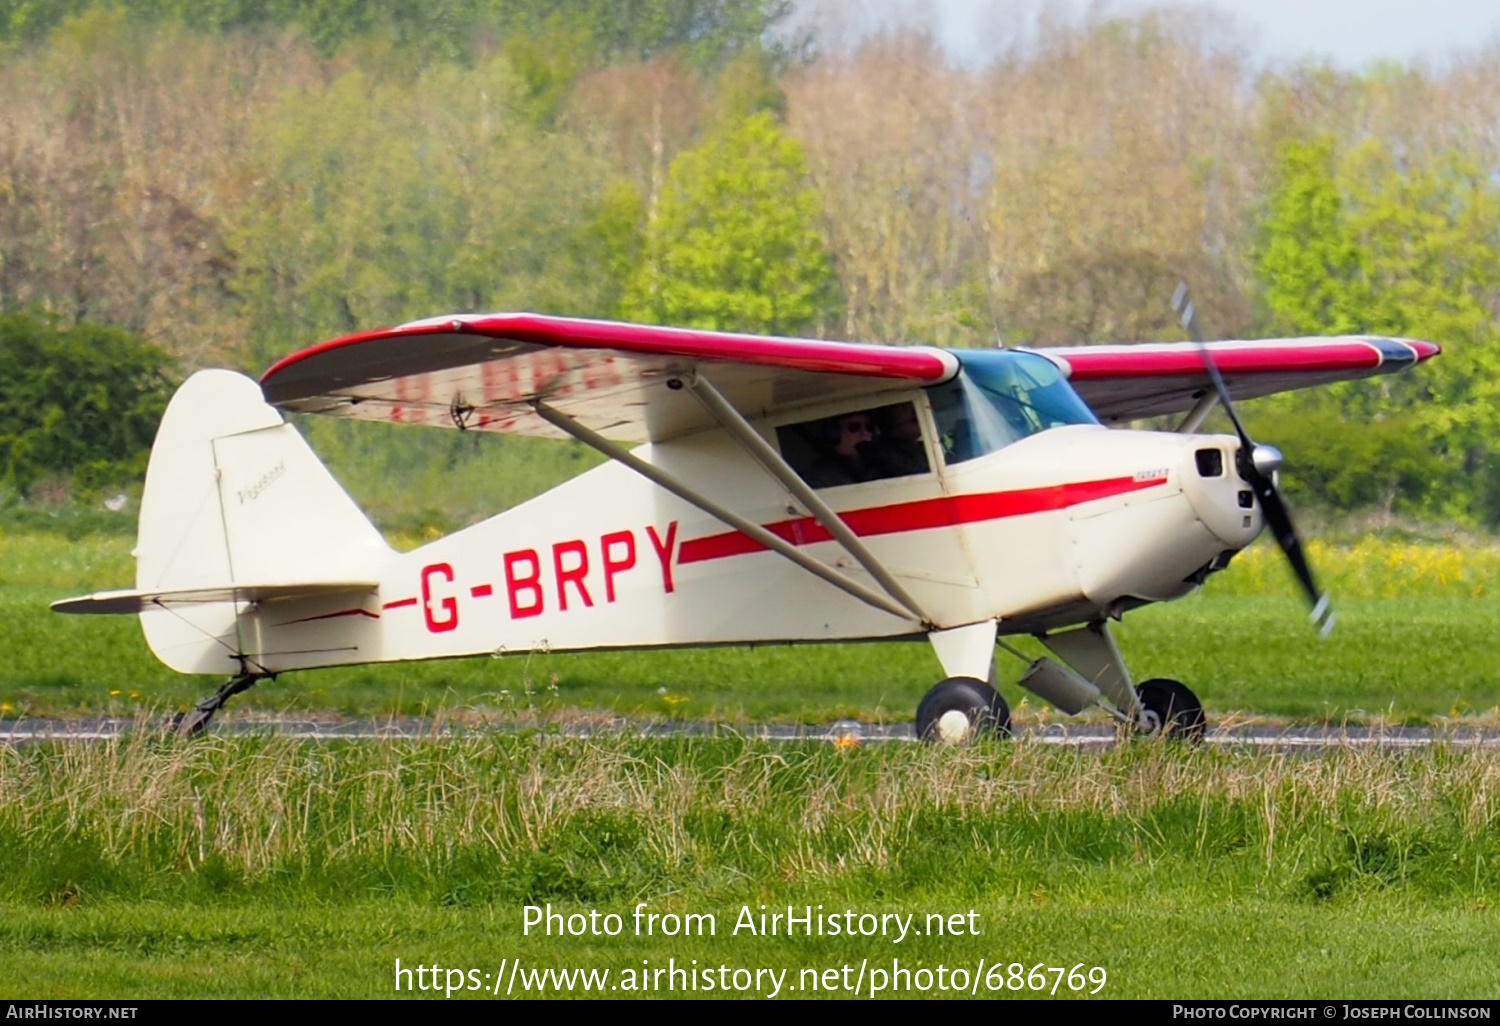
<point>1000,397</point>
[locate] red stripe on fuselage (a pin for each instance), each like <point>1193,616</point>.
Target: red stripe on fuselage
<point>399,603</point>
<point>922,515</point>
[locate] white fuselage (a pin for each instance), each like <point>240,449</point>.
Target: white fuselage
<point>1061,527</point>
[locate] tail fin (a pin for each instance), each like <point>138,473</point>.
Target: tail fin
<point>235,498</point>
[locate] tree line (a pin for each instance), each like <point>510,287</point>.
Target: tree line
<point>234,180</point>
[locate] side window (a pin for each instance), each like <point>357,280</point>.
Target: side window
<point>862,445</point>
<point>955,428</point>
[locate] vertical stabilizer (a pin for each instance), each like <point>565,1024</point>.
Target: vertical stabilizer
<point>234,496</point>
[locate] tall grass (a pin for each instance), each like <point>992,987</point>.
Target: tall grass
<point>545,818</point>
<point>94,562</point>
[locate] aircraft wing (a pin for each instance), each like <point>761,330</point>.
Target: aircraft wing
<point>482,372</point>
<point>1127,382</point>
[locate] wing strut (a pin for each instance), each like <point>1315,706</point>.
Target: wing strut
<point>1200,411</point>
<point>750,440</point>
<point>656,475</point>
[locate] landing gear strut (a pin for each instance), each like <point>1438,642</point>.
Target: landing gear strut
<point>195,720</point>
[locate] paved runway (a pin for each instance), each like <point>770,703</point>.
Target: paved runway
<point>1082,735</point>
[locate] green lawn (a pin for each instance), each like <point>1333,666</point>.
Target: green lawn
<point>266,867</point>
<point>1148,946</point>
<point>261,866</point>
<point>1407,648</point>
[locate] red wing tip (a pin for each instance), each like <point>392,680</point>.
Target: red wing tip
<point>1425,350</point>
<point>435,326</point>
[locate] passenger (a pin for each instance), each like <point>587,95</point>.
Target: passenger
<point>847,460</point>
<point>898,451</point>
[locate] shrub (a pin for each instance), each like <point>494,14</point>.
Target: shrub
<point>81,401</point>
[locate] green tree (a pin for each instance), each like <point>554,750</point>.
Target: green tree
<point>738,241</point>
<point>548,60</point>
<point>1307,259</point>
<point>747,85</point>
<point>1385,463</point>
<point>708,31</point>
<point>1428,235</point>
<point>83,401</point>
<point>383,201</point>
<point>1383,243</point>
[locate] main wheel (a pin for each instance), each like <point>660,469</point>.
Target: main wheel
<point>1175,710</point>
<point>960,709</point>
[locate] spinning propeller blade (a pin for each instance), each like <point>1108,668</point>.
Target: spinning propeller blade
<point>1257,464</point>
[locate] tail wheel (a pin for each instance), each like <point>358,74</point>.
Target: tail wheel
<point>1172,710</point>
<point>961,709</point>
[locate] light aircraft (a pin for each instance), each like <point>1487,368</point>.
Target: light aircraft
<point>757,490</point>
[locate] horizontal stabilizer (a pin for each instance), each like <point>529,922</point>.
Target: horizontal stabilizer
<point>137,601</point>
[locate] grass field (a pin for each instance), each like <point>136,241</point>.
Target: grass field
<point>261,866</point>
<point>1414,643</point>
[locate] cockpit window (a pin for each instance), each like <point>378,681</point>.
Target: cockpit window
<point>861,445</point>
<point>1000,397</point>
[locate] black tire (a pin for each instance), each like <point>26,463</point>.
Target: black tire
<point>986,712</point>
<point>1176,708</point>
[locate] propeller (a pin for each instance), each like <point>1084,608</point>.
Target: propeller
<point>1258,464</point>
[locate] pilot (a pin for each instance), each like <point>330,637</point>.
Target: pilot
<point>847,461</point>
<point>899,450</point>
